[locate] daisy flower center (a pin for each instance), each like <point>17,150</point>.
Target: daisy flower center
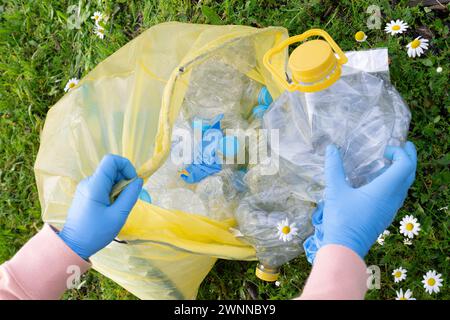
<point>409,226</point>
<point>286,230</point>
<point>359,35</point>
<point>396,27</point>
<point>415,43</point>
<point>71,85</point>
<point>431,282</point>
<point>398,274</point>
<point>402,298</point>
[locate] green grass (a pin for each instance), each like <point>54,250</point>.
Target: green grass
<point>39,53</point>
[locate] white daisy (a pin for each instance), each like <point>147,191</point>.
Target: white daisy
<point>360,36</point>
<point>382,237</point>
<point>380,240</point>
<point>406,296</point>
<point>417,47</point>
<point>99,32</point>
<point>409,227</point>
<point>399,274</point>
<point>97,17</point>
<point>439,69</point>
<point>286,231</point>
<point>407,241</point>
<point>395,27</point>
<point>432,281</point>
<point>71,84</point>
<point>277,283</point>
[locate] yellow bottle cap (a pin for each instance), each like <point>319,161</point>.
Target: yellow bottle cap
<point>313,64</point>
<point>312,61</point>
<point>267,274</point>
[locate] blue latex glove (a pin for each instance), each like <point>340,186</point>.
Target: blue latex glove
<point>93,222</point>
<point>313,243</point>
<point>355,217</point>
<point>205,157</point>
<point>195,173</point>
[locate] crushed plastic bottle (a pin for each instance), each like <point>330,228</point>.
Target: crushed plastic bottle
<point>259,217</point>
<point>270,203</point>
<point>361,113</point>
<point>231,152</point>
<point>167,177</point>
<point>221,193</point>
<point>257,142</point>
<point>255,94</point>
<point>217,87</point>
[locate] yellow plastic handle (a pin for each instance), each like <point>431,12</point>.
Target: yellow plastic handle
<point>298,38</point>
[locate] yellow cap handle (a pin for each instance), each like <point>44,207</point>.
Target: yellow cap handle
<point>298,38</point>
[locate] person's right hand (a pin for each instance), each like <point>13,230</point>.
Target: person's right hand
<point>93,221</point>
<point>354,217</point>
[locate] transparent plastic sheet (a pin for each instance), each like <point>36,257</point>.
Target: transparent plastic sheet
<point>128,105</point>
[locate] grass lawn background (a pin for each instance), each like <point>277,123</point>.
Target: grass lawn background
<point>39,53</point>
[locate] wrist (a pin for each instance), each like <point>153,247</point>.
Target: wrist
<point>357,247</point>
<point>338,273</point>
<point>72,245</point>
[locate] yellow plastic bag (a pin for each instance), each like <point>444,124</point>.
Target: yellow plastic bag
<point>127,106</point>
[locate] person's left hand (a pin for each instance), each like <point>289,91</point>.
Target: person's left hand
<point>354,217</point>
<point>93,222</point>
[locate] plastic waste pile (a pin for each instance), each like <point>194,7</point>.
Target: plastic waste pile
<point>211,182</point>
<point>274,197</point>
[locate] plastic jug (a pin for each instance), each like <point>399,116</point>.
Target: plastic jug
<point>328,102</point>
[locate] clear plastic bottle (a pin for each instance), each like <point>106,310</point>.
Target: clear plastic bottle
<point>221,193</point>
<point>254,94</point>
<point>257,138</point>
<point>231,152</point>
<point>361,113</point>
<point>233,121</point>
<point>261,170</point>
<point>270,202</point>
<point>167,177</point>
<point>215,87</point>
<point>261,218</point>
<point>257,115</point>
